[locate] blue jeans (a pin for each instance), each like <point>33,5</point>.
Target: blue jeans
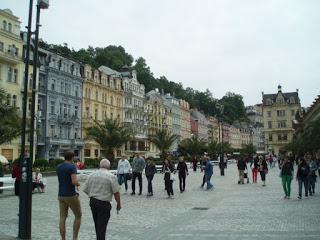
<point>303,180</point>
<point>209,184</point>
<point>149,178</point>
<point>122,178</point>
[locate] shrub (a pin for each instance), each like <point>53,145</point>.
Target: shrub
<point>92,162</point>
<point>53,163</point>
<point>41,163</point>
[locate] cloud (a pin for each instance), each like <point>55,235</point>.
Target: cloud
<point>245,46</point>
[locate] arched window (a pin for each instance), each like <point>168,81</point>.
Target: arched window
<point>9,27</point>
<point>4,25</point>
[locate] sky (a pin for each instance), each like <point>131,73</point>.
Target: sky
<point>242,46</point>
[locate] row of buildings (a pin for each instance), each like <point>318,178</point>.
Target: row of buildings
<point>71,96</point>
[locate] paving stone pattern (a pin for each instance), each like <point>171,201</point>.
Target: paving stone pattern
<point>247,211</point>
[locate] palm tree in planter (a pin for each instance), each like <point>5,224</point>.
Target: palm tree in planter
<point>193,146</point>
<point>163,140</point>
<point>110,134</point>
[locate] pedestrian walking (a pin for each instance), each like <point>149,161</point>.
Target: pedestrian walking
<point>194,163</point>
<point>150,171</point>
<point>203,165</point>
<point>208,171</point>
<point>254,168</point>
<point>67,196</point>
<point>123,171</point>
<point>138,166</point>
<point>302,176</point>
<point>168,170</point>
<point>1,175</point>
<point>100,186</point>
<point>182,169</point>
<point>312,177</point>
<point>241,168</point>
<point>286,176</point>
<point>263,169</point>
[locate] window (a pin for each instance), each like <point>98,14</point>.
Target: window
<point>292,112</point>
<point>281,113</point>
<point>269,124</point>
<point>96,153</point>
<point>97,96</point>
<point>87,112</point>
<point>9,79</point>
<point>53,84</point>
<point>268,101</point>
<point>4,25</point>
<point>29,105</point>
<point>9,27</point>
<point>269,113</point>
<point>9,99</point>
<point>62,87</point>
<point>75,133</point>
<point>270,137</point>
<point>282,124</point>
<point>111,100</point>
<point>14,101</point>
<point>279,137</point>
<point>1,46</point>
<point>292,100</point>
<point>87,153</point>
<point>77,91</point>
<point>96,114</point>
<point>76,111</point>
<point>52,131</point>
<point>52,107</point>
<point>285,137</point>
<point>65,110</point>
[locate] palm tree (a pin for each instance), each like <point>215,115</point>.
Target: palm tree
<point>10,122</point>
<point>163,140</point>
<point>110,135</point>
<point>193,146</point>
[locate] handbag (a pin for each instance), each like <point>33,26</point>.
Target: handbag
<point>172,178</point>
<point>129,176</point>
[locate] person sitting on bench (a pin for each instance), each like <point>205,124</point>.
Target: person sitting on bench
<point>37,181</point>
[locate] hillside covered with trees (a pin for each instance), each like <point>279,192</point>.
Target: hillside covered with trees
<point>116,57</point>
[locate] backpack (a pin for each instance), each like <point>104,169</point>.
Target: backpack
<point>304,171</point>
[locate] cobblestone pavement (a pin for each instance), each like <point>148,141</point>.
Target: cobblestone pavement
<point>234,211</point>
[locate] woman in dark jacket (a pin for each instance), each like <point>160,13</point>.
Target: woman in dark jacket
<point>263,169</point>
<point>150,170</point>
<point>183,171</point>
<point>168,169</point>
<point>302,176</point>
<point>286,176</point>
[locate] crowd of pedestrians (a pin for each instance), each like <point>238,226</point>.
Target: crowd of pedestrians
<point>102,185</point>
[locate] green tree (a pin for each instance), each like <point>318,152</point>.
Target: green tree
<point>163,140</point>
<point>213,149</point>
<point>10,121</point>
<point>249,149</point>
<point>233,108</point>
<point>192,146</point>
<point>225,147</point>
<point>110,135</point>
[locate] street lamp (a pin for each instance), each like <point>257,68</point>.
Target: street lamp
<point>25,203</point>
<point>221,162</point>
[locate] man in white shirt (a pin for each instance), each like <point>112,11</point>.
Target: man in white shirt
<point>100,186</point>
<point>123,171</point>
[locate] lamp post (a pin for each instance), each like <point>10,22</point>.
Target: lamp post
<point>221,161</point>
<point>25,203</point>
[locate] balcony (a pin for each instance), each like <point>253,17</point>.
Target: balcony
<point>67,120</point>
<point>58,141</point>
<point>77,142</point>
<point>9,56</point>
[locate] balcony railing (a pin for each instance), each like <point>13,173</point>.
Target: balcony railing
<point>9,56</point>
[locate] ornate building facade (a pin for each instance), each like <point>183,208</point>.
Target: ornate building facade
<point>279,111</point>
<point>11,71</point>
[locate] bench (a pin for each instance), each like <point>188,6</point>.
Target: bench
<point>8,183</point>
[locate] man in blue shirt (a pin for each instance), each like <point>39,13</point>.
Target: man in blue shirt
<point>67,196</point>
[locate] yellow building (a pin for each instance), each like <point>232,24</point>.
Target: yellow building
<point>185,125</point>
<point>102,98</point>
<point>278,112</point>
<point>11,70</point>
<point>158,118</point>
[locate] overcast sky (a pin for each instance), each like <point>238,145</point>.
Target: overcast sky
<point>242,46</point>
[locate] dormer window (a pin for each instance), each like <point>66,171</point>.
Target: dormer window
<point>292,100</point>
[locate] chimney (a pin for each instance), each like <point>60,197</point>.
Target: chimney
<point>279,88</point>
